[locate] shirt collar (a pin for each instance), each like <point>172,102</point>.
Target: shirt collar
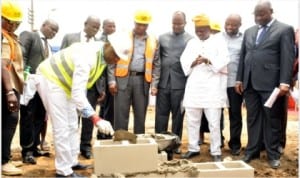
<point>42,36</point>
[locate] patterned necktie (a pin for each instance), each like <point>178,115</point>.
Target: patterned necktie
<point>262,34</point>
<point>46,49</point>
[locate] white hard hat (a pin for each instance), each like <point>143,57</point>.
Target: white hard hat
<point>121,43</point>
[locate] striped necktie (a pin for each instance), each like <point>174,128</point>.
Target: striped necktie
<point>46,45</point>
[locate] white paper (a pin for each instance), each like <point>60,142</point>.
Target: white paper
<point>269,103</point>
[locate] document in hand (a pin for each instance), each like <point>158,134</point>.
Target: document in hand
<point>269,103</point>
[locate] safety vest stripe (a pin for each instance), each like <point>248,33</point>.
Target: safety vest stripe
<point>59,74</point>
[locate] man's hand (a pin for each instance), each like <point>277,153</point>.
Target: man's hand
<point>12,102</point>
<point>200,60</point>
<point>239,88</point>
<point>101,97</point>
<point>113,89</point>
<point>284,89</point>
<point>102,125</point>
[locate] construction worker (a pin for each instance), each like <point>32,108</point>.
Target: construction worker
<point>88,34</point>
<point>62,84</point>
<point>130,80</point>
<point>12,81</point>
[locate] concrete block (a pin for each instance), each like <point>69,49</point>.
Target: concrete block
<point>225,169</point>
<point>123,157</point>
<point>207,170</point>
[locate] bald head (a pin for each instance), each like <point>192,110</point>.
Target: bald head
<point>178,22</point>
<point>232,24</point>
<point>263,12</point>
<point>91,26</point>
<point>109,26</point>
<point>49,28</point>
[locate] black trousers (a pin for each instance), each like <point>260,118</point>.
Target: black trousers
<point>32,121</point>
<point>107,112</point>
<point>169,101</point>
<point>87,125</point>
<point>9,125</point>
<point>264,125</point>
<point>235,118</point>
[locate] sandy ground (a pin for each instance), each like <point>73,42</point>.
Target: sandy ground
<point>289,161</point>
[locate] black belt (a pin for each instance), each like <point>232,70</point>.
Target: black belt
<point>136,73</point>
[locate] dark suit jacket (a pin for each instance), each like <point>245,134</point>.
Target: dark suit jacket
<point>270,62</point>
<point>73,38</point>
<point>32,49</point>
<point>171,47</point>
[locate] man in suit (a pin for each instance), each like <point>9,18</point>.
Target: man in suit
<point>107,107</point>
<point>266,62</point>
<point>91,27</point>
<point>172,79</point>
<point>35,49</point>
<point>130,80</point>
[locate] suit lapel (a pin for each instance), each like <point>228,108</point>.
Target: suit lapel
<point>254,35</point>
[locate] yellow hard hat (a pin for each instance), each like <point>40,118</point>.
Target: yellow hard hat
<point>142,17</point>
<point>11,10</point>
<point>215,26</point>
<point>201,20</point>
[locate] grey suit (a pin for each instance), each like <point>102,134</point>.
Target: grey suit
<point>32,116</point>
<point>263,67</point>
<point>172,81</point>
<point>92,95</point>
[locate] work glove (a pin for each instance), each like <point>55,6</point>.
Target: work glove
<point>102,125</point>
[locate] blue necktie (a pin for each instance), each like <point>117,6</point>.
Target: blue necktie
<point>262,34</point>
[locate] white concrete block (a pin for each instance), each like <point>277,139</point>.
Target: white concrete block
<point>123,157</point>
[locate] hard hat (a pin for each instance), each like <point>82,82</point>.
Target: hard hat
<point>122,44</point>
<point>201,20</point>
<point>142,17</point>
<point>11,10</point>
<point>215,26</point>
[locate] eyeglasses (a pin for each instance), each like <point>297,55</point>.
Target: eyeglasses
<point>11,22</point>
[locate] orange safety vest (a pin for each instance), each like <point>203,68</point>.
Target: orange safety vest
<point>123,65</point>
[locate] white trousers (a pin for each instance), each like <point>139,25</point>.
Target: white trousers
<point>213,116</point>
<point>63,115</point>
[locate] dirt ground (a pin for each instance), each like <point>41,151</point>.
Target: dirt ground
<point>289,160</point>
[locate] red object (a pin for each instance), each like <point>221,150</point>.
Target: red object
<point>291,103</point>
<point>95,119</point>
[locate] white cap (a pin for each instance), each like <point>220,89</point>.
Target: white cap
<point>121,43</point>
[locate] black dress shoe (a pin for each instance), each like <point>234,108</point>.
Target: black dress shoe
<point>235,152</point>
<point>247,158</point>
<point>86,154</point>
<point>189,154</point>
<point>28,158</point>
<point>217,158</point>
<point>74,174</point>
<point>274,163</point>
<point>81,167</point>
